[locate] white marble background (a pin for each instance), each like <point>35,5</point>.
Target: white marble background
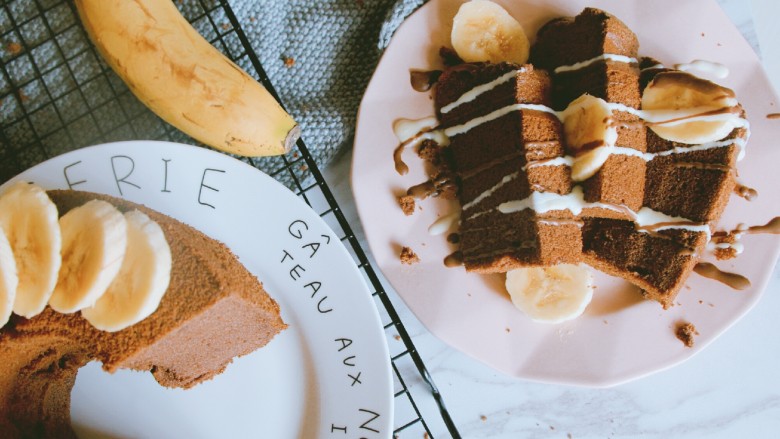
<point>729,390</point>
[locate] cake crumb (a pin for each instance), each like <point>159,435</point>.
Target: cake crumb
<point>407,204</point>
<point>508,330</point>
<point>726,253</point>
<point>552,428</point>
<point>425,435</point>
<point>685,332</point>
<point>288,61</point>
<point>397,337</point>
<point>483,418</point>
<point>568,435</point>
<point>15,48</point>
<point>408,256</point>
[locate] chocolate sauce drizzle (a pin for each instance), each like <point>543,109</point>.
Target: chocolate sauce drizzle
<point>733,280</point>
<point>745,192</point>
<point>423,80</point>
<point>400,167</point>
<point>773,116</point>
<point>772,227</point>
<point>454,259</point>
<point>433,187</point>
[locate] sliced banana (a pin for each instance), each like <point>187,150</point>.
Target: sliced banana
<point>551,294</point>
<point>29,219</point>
<point>484,31</point>
<point>684,108</point>
<point>137,290</point>
<point>589,133</point>
<point>9,280</point>
<point>94,239</point>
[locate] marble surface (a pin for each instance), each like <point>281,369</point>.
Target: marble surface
<point>729,390</point>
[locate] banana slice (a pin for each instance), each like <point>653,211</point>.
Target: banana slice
<point>551,294</point>
<point>588,133</point>
<point>484,31</point>
<point>94,239</point>
<point>9,280</point>
<point>687,109</point>
<point>139,287</point>
<point>29,219</point>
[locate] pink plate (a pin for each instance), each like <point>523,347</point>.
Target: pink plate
<point>620,337</point>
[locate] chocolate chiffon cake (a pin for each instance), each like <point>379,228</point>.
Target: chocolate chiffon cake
<point>645,214</point>
<point>213,311</point>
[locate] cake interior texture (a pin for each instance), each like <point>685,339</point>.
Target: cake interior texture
<point>520,155</point>
<point>213,311</point>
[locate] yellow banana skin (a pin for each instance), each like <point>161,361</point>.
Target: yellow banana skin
<point>185,80</point>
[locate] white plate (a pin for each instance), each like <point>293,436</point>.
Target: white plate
<point>620,337</point>
<point>328,373</point>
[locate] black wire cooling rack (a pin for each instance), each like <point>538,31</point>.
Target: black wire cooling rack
<point>57,95</point>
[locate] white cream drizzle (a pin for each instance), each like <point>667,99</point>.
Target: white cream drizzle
<point>717,70</point>
<point>444,223</point>
<point>477,121</point>
<point>659,117</point>
<point>415,131</point>
<point>405,129</point>
<point>574,202</point>
<point>490,191</point>
<point>480,89</point>
<point>566,160</point>
<point>561,222</point>
<point>595,59</point>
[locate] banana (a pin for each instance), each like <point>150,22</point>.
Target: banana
<point>94,240</point>
<point>142,281</point>
<point>29,219</point>
<point>550,294</point>
<point>484,31</point>
<point>684,108</point>
<point>9,279</point>
<point>184,79</point>
<point>588,133</point>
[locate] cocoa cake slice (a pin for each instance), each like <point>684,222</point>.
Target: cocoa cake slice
<point>213,311</point>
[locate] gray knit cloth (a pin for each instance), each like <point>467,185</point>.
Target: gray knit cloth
<point>320,55</point>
